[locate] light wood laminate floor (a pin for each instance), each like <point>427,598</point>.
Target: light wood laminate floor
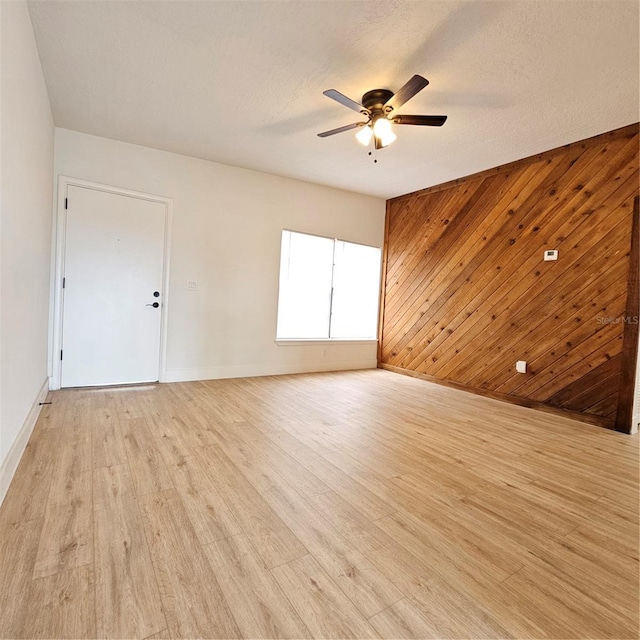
<point>342,505</point>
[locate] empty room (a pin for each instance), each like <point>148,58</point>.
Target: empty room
<point>319,319</point>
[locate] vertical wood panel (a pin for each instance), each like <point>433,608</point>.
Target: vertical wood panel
<point>630,338</point>
<point>383,279</point>
<point>466,291</point>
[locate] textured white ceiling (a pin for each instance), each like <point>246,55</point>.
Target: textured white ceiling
<point>241,82</point>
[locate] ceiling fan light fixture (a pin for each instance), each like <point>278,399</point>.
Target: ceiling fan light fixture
<point>387,139</point>
<point>381,126</point>
<point>364,135</point>
<point>382,131</point>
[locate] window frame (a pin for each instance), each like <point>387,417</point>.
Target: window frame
<point>284,342</point>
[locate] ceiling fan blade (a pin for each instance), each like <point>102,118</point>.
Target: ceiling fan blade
<point>342,99</point>
<point>405,93</point>
<point>428,121</point>
<point>332,132</point>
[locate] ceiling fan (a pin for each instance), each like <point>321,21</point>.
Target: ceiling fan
<point>379,106</point>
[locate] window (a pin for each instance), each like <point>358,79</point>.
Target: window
<point>328,289</point>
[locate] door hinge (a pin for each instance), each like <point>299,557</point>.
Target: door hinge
<point>60,354</point>
<point>66,203</point>
<point>64,282</point>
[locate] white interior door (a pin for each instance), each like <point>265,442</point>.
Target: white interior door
<point>113,271</point>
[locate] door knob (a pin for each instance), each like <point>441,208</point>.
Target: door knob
<point>155,305</point>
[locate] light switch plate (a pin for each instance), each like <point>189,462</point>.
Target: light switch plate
<point>192,285</point>
<point>521,366</point>
<point>551,254</point>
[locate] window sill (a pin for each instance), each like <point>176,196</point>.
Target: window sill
<point>324,341</point>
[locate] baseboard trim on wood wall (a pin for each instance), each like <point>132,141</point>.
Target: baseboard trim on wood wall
<point>522,402</point>
<point>11,462</point>
<point>251,371</point>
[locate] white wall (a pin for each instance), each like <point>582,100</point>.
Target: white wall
<point>26,157</point>
<point>227,224</point>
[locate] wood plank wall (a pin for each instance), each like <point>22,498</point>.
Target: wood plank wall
<point>466,292</point>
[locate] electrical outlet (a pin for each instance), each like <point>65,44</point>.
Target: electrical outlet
<point>192,285</point>
<point>521,366</point>
<point>550,254</point>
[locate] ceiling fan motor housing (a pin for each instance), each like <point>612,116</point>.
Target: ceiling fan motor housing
<point>375,100</point>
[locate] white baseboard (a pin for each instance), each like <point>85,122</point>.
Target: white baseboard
<point>11,462</point>
<point>250,371</point>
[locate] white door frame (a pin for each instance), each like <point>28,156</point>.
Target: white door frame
<point>59,238</point>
